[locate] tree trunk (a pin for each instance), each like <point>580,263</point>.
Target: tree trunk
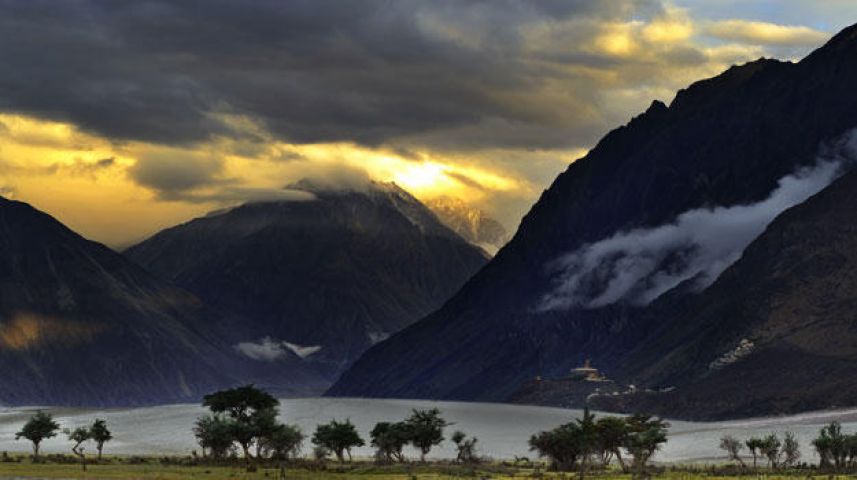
<point>36,451</point>
<point>618,454</point>
<point>583,462</point>
<point>101,446</point>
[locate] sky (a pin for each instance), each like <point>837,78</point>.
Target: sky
<point>121,118</point>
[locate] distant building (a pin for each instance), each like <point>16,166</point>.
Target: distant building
<point>588,373</point>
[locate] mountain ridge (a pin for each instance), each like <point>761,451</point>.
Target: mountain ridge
<point>339,272</point>
<point>81,325</point>
<point>722,142</point>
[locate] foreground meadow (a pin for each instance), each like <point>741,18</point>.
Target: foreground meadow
<point>172,468</point>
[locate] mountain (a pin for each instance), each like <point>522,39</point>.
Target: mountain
<point>81,325</point>
<point>637,220</point>
<point>775,333</point>
<point>471,223</point>
<point>324,278</point>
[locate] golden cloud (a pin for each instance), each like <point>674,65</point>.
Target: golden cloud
<point>580,76</point>
<point>764,33</point>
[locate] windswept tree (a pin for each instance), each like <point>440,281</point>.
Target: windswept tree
<point>426,429</point>
<point>754,444</point>
<point>646,434</point>
<point>732,446</point>
<point>770,448</point>
<point>246,406</point>
<point>79,435</point>
<point>100,434</point>
<point>790,450</point>
<point>465,447</point>
<point>611,438</point>
<point>338,437</point>
<point>389,439</point>
<point>588,432</point>
<point>214,435</point>
<point>39,427</point>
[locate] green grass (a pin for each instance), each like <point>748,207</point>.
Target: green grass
<point>127,468</point>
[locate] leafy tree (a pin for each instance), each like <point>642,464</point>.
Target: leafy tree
<point>389,439</point>
<point>770,447</point>
<point>733,448</point>
<point>246,406</point>
<point>791,450</point>
<point>39,427</point>
<point>100,434</point>
<point>822,448</point>
<point>79,435</point>
<point>338,437</point>
<point>426,429</point>
<point>320,453</point>
<point>264,426</point>
<point>611,438</point>
<point>466,447</point>
<point>646,434</point>
<point>851,448</point>
<point>831,446</point>
<point>214,433</point>
<point>754,444</point>
<point>561,445</point>
<point>588,432</point>
<point>283,443</point>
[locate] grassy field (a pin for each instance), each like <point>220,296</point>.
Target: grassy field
<point>154,468</point>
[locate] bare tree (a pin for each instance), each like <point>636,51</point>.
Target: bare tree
<point>733,448</point>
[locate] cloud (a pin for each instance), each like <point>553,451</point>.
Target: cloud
<point>764,33</point>
<point>173,174</point>
<point>80,167</point>
<point>302,351</point>
<point>7,191</point>
<point>371,72</point>
<point>268,349</point>
<point>638,266</point>
<point>322,177</point>
<point>251,194</point>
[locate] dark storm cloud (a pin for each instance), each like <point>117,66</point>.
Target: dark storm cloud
<point>172,176</point>
<point>306,70</point>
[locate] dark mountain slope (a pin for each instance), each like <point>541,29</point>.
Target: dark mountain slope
<point>81,325</point>
<point>724,141</point>
<point>791,300</point>
<point>339,272</point>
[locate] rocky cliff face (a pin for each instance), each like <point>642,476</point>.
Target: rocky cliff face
<point>472,224</point>
<point>81,325</point>
<point>722,144</point>
<point>325,278</point>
